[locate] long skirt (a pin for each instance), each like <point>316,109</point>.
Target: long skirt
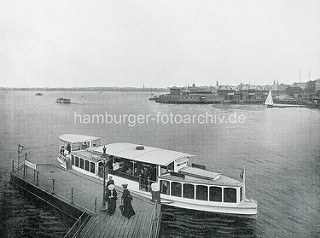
<point>112,206</point>
<point>127,208</point>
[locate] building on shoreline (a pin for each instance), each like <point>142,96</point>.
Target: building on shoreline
<point>297,93</point>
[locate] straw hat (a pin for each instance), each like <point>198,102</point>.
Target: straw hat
<point>111,187</point>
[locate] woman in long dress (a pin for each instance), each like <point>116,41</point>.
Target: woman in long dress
<point>112,199</point>
<point>126,199</point>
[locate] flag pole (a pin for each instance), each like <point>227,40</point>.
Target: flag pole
<point>244,182</point>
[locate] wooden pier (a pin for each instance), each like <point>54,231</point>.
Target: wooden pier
<point>80,195</point>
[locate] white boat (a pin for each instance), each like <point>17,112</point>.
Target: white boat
<point>181,184</point>
<point>269,102</point>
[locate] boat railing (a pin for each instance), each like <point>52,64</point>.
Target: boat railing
<point>82,200</point>
<point>144,183</point>
<point>124,175</point>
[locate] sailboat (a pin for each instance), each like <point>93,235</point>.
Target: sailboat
<point>269,102</point>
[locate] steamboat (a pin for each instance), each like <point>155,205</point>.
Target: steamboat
<point>181,183</point>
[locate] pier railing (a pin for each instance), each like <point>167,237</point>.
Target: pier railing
<point>76,228</point>
<point>84,201</point>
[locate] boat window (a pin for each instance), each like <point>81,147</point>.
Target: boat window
<point>230,195</point>
<point>76,146</point>
<point>164,187</point>
<point>240,193</point>
<point>170,166</point>
<point>215,194</point>
<point>202,192</point>
<point>163,170</point>
<point>77,161</point>
<point>92,167</point>
<point>86,165</point>
<point>100,169</point>
<point>85,145</point>
<point>188,191</point>
<point>81,163</point>
<point>95,143</point>
<point>72,159</point>
<point>176,189</point>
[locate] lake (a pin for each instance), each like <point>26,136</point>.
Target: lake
<point>279,146</point>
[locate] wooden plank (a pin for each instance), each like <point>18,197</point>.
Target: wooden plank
<point>104,225</point>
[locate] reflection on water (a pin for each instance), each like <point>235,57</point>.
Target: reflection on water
<point>184,223</point>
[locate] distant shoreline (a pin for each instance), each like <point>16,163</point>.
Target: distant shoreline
<point>116,89</point>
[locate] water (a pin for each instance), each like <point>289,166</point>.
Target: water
<point>280,148</point>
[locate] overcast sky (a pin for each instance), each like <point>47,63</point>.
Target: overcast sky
<point>48,43</point>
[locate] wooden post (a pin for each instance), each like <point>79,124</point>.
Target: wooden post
<point>18,165</point>
<point>52,186</point>
<point>139,181</point>
<point>37,183</point>
<point>104,187</point>
<point>24,165</point>
<point>71,195</point>
<point>95,205</point>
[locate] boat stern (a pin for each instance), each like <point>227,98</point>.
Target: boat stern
<point>249,207</point>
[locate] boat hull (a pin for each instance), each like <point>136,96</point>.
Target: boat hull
<point>247,208</point>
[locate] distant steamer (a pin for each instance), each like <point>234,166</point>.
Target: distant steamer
<point>192,94</point>
<point>63,100</point>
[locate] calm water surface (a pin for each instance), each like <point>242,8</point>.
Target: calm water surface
<point>280,148</point>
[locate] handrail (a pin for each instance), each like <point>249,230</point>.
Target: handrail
<point>78,221</point>
<point>55,187</point>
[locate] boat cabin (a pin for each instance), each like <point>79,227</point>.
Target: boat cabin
<point>144,165</point>
<point>181,184</point>
<point>71,143</point>
<point>140,163</point>
<point>198,184</point>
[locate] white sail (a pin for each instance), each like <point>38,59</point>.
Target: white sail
<point>269,100</point>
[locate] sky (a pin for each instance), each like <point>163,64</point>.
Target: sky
<point>126,43</point>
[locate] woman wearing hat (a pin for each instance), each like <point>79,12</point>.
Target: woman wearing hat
<point>112,199</point>
<point>126,201</point>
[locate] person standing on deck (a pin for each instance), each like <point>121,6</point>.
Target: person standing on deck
<point>126,199</point>
<point>112,199</point>
<point>68,148</point>
<point>110,181</point>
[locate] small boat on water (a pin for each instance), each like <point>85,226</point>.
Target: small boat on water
<point>63,100</point>
<point>38,94</point>
<point>269,102</point>
<point>154,97</point>
<point>181,184</point>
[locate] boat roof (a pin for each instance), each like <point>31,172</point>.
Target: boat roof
<point>73,138</point>
<point>144,154</point>
<point>200,173</point>
<point>221,180</point>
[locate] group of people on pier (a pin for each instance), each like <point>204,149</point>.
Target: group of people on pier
<point>126,198</point>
